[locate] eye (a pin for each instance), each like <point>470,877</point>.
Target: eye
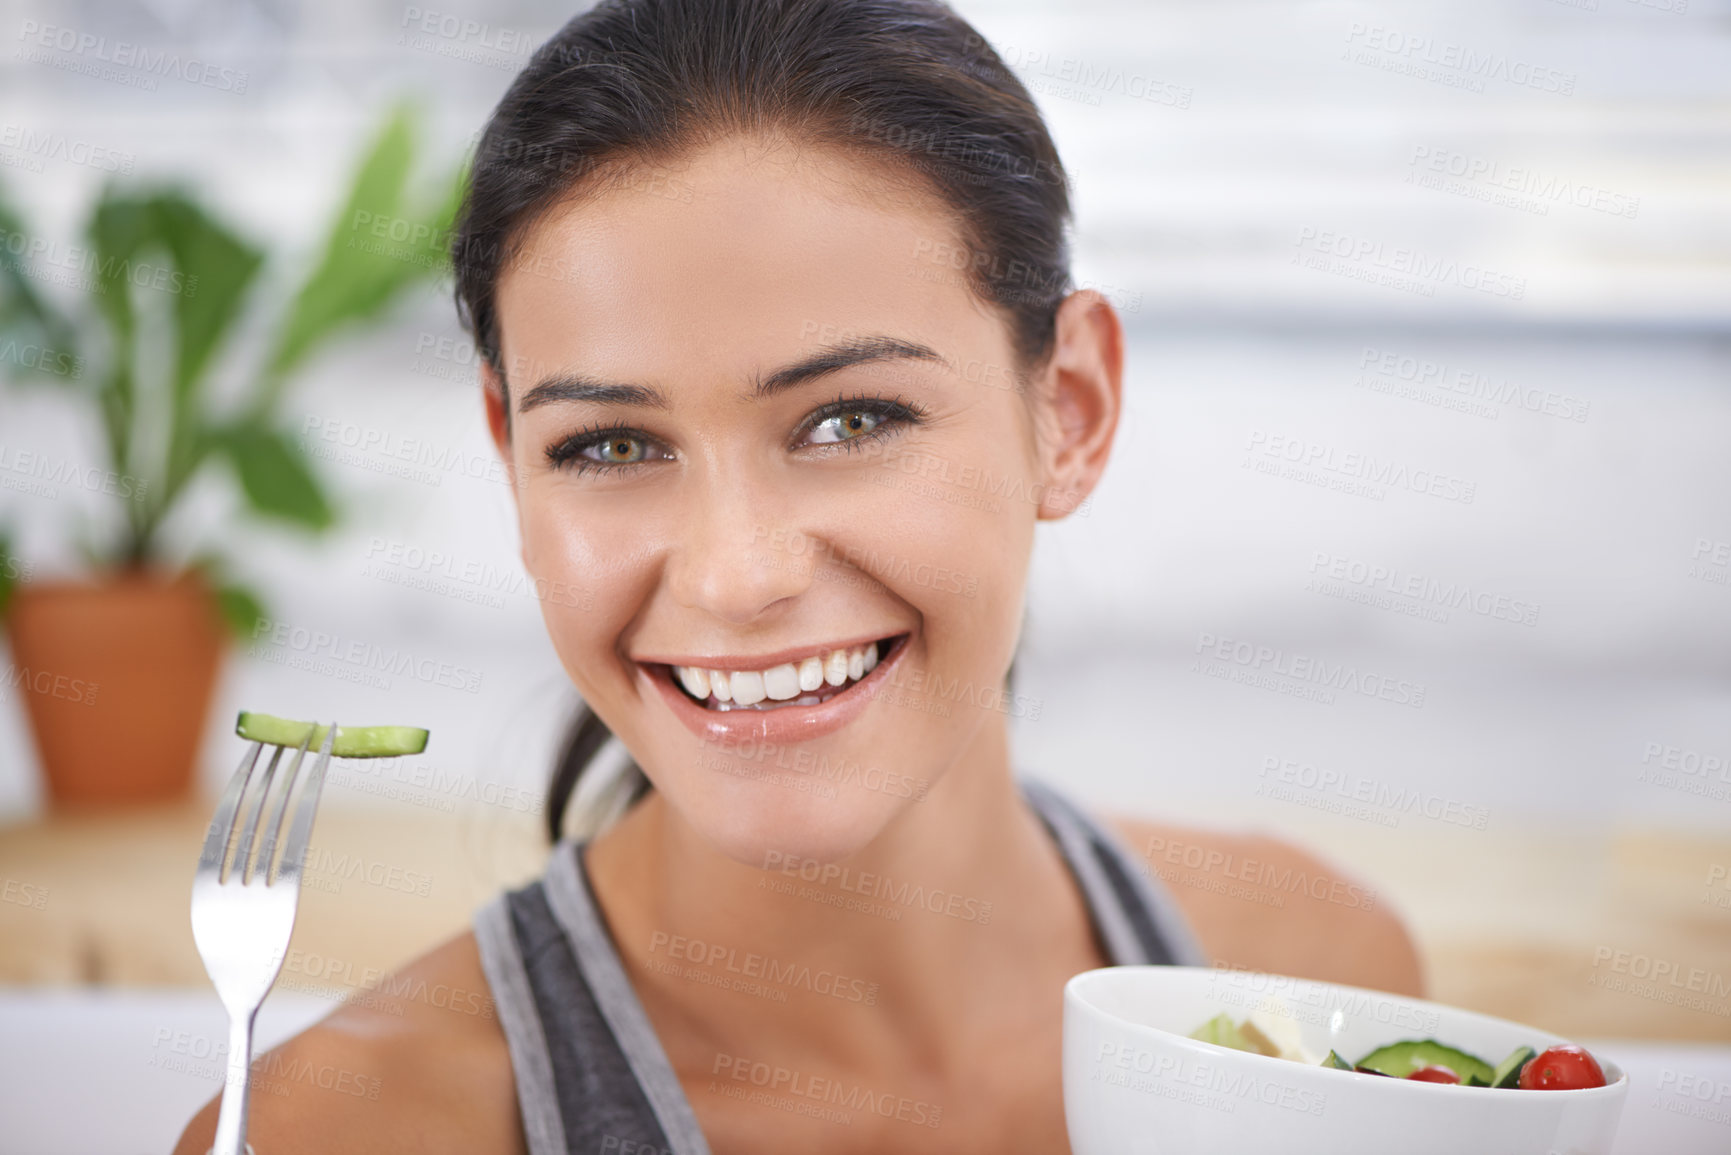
<point>846,425</point>
<point>604,449</point>
<point>618,449</point>
<point>857,419</point>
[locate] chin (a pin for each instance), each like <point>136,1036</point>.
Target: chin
<point>766,821</point>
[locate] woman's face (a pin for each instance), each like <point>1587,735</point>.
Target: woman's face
<point>758,420</point>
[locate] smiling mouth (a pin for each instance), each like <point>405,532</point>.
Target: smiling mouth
<point>811,681</point>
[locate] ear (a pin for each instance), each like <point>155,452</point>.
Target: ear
<point>497,403</point>
<point>498,417</point>
<point>1080,395</point>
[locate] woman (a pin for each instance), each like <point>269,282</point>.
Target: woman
<point>784,363</point>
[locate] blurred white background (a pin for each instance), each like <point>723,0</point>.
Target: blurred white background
<point>1266,130</point>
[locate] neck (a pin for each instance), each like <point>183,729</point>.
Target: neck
<point>929,911</point>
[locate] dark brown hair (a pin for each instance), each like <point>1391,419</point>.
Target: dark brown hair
<point>631,84</point>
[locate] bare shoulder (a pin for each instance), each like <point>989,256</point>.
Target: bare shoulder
<point>1263,903</point>
<point>418,1064</point>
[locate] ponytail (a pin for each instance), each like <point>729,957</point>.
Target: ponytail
<point>586,738</point>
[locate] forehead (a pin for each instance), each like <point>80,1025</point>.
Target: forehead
<point>749,249</point>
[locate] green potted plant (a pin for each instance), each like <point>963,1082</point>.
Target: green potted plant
<point>117,670</point>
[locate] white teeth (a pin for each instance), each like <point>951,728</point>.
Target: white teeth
<point>811,674</point>
<point>791,682</point>
<point>747,687</point>
<point>695,679</point>
<point>781,682</point>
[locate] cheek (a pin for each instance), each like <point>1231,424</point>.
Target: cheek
<point>939,532</point>
<point>946,524</point>
<point>586,565</point>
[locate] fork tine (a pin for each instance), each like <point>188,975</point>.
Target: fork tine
<point>243,868</point>
<point>221,828</point>
<point>301,831</point>
<point>274,818</point>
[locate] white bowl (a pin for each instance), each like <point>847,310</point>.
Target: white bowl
<point>1134,1084</point>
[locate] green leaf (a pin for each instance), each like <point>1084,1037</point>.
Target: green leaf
<point>216,267</point>
<point>241,608</point>
<point>379,245</point>
<point>275,476</point>
<point>118,229</point>
<point>121,226</point>
<point>26,315</point>
<point>13,571</point>
<point>237,603</point>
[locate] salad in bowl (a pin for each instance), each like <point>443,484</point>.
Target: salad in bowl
<point>1162,1060</point>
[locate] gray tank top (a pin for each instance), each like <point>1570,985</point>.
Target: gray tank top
<point>591,1074</point>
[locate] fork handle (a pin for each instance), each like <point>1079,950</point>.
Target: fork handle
<point>231,1122</point>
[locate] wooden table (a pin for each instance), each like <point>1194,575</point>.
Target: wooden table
<point>382,885</point>
<point>1547,929</point>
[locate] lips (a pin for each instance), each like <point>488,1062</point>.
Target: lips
<point>771,703</point>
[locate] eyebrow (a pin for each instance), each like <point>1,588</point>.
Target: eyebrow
<point>832,358</point>
<point>827,360</point>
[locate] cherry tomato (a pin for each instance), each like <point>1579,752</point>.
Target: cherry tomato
<point>1563,1068</point>
<point>1435,1075</point>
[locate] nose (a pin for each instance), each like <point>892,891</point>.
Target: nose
<point>732,558</point>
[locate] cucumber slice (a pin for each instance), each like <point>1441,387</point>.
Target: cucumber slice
<point>351,741</point>
<point>1334,1060</point>
<point>1508,1072</point>
<point>1223,1032</point>
<point>1401,1059</point>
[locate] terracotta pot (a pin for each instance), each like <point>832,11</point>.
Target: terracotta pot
<point>116,677</point>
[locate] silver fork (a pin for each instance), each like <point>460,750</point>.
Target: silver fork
<point>242,913</point>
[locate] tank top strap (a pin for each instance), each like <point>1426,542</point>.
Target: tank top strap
<point>1137,919</point>
<point>591,1074</point>
<point>500,936</point>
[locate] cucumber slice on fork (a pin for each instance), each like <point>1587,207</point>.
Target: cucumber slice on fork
<point>351,741</point>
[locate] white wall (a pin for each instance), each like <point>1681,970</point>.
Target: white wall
<point>1262,142</point>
